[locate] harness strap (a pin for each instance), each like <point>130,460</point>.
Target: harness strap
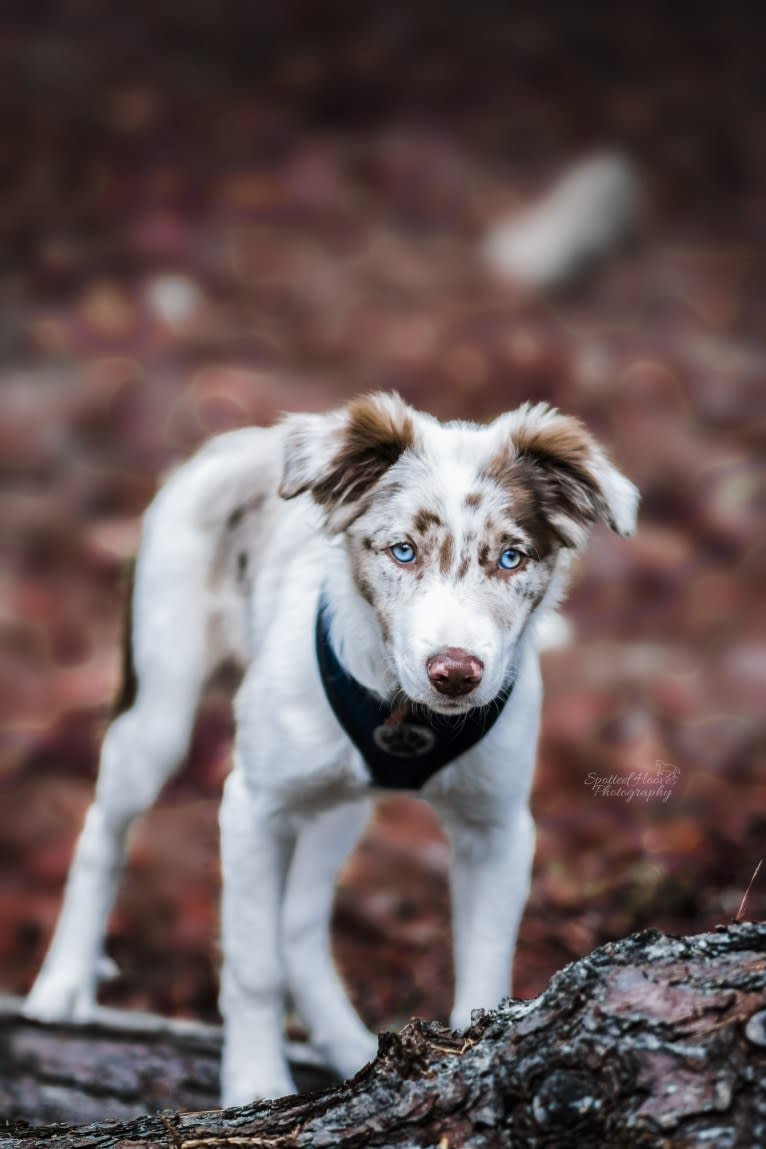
<point>402,751</point>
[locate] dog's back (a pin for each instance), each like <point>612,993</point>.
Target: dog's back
<point>202,539</point>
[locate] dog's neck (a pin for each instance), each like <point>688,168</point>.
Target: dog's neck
<point>354,629</point>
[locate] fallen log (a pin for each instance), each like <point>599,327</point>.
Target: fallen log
<point>650,1041</point>
<point>120,1064</point>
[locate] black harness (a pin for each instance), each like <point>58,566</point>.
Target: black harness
<point>401,751</point>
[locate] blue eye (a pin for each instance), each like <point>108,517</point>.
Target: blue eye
<point>403,552</point>
<point>510,559</point>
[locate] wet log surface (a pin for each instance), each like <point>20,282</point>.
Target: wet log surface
<point>650,1041</point>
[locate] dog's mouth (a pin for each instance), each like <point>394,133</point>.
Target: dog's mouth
<point>452,705</point>
<point>442,704</point>
<point>424,700</point>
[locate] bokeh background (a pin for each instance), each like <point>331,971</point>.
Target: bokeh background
<point>216,211</point>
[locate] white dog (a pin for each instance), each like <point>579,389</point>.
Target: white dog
<point>379,576</point>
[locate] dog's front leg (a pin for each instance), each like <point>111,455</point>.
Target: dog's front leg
<point>489,880</point>
<point>336,1029</point>
<point>256,844</point>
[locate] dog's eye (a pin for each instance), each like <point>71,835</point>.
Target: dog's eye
<point>403,552</point>
<point>510,559</point>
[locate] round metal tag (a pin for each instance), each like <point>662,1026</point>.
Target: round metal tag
<point>405,740</point>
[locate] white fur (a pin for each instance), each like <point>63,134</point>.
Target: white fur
<point>298,794</point>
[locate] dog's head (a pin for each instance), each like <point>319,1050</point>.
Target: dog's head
<point>455,533</point>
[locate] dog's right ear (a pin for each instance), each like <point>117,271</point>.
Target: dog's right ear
<point>340,457</point>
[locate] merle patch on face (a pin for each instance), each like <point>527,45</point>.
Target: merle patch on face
<point>459,541</point>
<point>424,520</point>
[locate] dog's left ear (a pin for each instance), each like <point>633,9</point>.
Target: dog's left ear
<point>341,456</point>
<point>575,482</point>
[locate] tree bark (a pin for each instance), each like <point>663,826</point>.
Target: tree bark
<point>650,1041</point>
<point>122,1064</point>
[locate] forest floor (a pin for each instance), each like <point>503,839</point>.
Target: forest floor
<point>323,265</point>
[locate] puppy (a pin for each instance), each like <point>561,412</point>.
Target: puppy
<point>380,577</point>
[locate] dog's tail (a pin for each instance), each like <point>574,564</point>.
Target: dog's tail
<point>128,684</point>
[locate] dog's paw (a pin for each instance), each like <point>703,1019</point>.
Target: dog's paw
<point>350,1058</point>
<point>58,998</point>
<point>245,1089</point>
<point>460,1018</point>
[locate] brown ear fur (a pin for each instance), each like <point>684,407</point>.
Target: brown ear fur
<point>553,458</point>
<point>373,439</point>
<point>341,457</point>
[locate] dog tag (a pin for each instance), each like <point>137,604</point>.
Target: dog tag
<point>404,740</point>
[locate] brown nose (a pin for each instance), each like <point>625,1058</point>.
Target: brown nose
<point>454,671</point>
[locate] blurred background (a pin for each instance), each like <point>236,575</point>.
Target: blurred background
<point>216,211</point>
